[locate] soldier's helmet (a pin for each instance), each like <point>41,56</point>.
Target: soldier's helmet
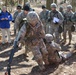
<point>32,16</point>
<point>48,37</point>
<point>69,7</point>
<point>53,5</point>
<point>27,3</point>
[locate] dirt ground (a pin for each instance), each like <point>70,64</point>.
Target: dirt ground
<point>27,66</point>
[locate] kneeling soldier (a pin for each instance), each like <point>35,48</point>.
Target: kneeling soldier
<point>53,49</point>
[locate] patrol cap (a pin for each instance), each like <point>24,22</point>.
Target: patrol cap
<point>61,8</point>
<point>19,6</point>
<point>49,37</point>
<point>32,16</point>
<point>69,7</point>
<point>27,8</point>
<point>53,5</point>
<point>43,6</point>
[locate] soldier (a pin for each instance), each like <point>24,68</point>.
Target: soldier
<point>20,17</point>
<point>19,8</point>
<point>53,49</point>
<point>33,33</point>
<point>55,19</point>
<point>44,18</point>
<point>62,12</point>
<point>74,17</point>
<point>68,23</point>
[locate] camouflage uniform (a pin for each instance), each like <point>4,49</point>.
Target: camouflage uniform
<point>55,26</point>
<point>74,17</point>
<point>14,17</point>
<point>44,18</point>
<point>19,20</point>
<point>68,23</point>
<point>34,38</point>
<point>53,49</point>
<point>19,8</point>
<point>28,4</point>
<point>62,12</point>
<point>74,20</point>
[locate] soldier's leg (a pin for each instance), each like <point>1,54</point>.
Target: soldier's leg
<point>44,53</point>
<point>14,31</point>
<point>64,34</point>
<point>47,28</point>
<point>26,51</point>
<point>70,36</point>
<point>51,29</point>
<point>38,57</point>
<point>56,35</point>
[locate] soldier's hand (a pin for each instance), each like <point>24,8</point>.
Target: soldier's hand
<point>56,23</point>
<point>49,20</point>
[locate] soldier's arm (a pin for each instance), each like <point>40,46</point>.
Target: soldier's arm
<point>14,15</point>
<point>41,33</point>
<point>61,18</point>
<point>41,16</point>
<point>18,20</point>
<point>21,33</point>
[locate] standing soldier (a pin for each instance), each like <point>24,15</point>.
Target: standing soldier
<point>20,17</point>
<point>19,8</point>
<point>44,18</point>
<point>68,23</point>
<point>62,12</point>
<point>74,17</point>
<point>55,19</point>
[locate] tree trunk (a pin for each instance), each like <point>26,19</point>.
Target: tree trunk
<point>48,3</point>
<point>25,1</point>
<point>20,1</point>
<point>74,5</point>
<point>6,3</point>
<point>55,1</point>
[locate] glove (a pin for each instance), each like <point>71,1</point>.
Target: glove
<point>56,23</point>
<point>49,20</point>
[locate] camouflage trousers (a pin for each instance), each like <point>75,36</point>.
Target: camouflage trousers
<point>46,27</point>
<point>40,53</point>
<point>67,28</point>
<point>53,55</point>
<point>54,32</point>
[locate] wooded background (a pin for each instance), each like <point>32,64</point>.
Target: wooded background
<point>48,2</point>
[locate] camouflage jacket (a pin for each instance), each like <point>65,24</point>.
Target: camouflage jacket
<point>56,14</point>
<point>32,35</point>
<point>15,15</point>
<point>74,17</point>
<point>68,17</point>
<point>19,19</point>
<point>44,15</point>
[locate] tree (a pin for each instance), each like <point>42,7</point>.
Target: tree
<point>25,1</point>
<point>6,3</point>
<point>55,1</point>
<point>73,3</point>
<point>48,2</point>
